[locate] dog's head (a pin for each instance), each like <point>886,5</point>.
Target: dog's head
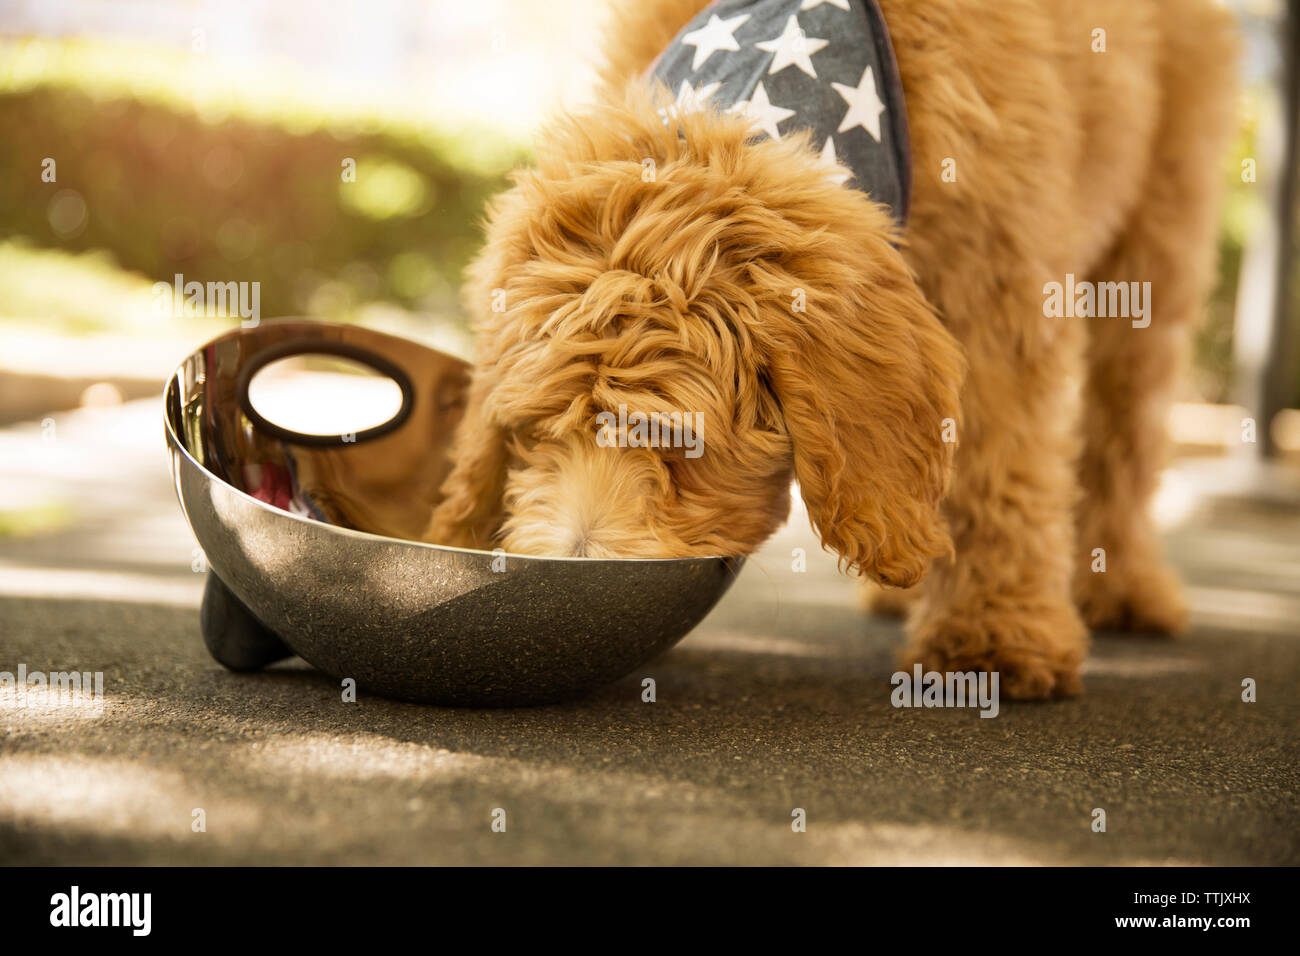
<point>646,270</point>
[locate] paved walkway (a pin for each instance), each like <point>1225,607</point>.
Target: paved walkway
<point>780,700</point>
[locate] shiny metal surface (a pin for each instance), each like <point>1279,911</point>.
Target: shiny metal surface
<point>312,539</point>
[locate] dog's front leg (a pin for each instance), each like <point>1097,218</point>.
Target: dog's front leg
<point>1004,604</point>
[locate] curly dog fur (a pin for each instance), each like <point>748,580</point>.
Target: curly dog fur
<point>600,285</point>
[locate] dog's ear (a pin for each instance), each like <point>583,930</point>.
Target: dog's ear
<point>868,380</point>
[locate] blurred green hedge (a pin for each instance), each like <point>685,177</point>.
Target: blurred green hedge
<point>167,190</point>
<point>180,173</point>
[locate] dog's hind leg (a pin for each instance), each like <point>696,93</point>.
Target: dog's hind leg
<point>1132,362</point>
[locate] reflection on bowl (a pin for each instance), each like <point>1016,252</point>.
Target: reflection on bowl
<point>309,539</point>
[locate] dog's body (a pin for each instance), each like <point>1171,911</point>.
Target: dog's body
<point>1041,149</point>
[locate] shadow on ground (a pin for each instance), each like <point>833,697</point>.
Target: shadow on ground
<point>765,709</point>
<point>779,701</point>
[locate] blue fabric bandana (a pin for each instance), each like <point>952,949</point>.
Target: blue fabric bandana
<point>824,65</point>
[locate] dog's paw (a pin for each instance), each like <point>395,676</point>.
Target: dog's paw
<point>1147,598</point>
<point>886,602</point>
<point>1036,654</point>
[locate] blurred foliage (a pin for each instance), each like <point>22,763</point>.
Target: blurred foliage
<point>1212,354</point>
<point>165,166</point>
<point>1242,211</point>
<point>221,185</point>
<point>71,292</point>
<point>37,520</point>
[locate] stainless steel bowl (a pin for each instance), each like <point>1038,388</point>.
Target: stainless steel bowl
<point>306,538</point>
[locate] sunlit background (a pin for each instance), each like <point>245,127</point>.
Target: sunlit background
<point>209,139</point>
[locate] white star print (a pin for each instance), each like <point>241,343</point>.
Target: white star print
<point>792,48</point>
<point>762,113</point>
<point>835,172</point>
<point>690,99</point>
<point>809,4</point>
<point>713,36</point>
<point>864,105</point>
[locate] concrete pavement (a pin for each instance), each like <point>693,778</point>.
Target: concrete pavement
<point>780,700</point>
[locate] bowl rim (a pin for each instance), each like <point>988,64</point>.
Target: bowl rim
<point>174,441</point>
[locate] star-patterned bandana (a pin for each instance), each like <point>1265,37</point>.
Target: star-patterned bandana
<point>824,65</point>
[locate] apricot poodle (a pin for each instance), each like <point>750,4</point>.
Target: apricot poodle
<point>938,416</point>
